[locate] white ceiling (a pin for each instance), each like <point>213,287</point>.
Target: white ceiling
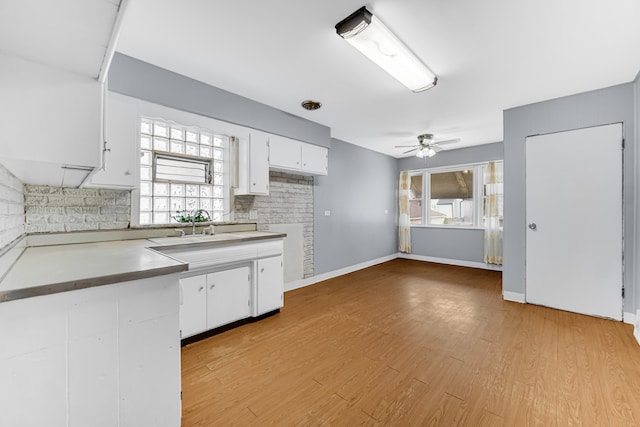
<point>68,34</point>
<point>488,55</point>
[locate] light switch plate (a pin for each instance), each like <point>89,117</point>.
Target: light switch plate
<point>327,213</point>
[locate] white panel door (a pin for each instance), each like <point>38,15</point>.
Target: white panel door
<point>574,220</point>
<point>228,296</point>
<point>270,284</point>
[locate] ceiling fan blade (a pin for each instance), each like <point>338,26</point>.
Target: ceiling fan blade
<point>436,148</point>
<point>413,149</point>
<point>447,141</point>
<point>406,146</point>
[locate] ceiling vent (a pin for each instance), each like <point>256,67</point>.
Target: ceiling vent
<point>311,105</point>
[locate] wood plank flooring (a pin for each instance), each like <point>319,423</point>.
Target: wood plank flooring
<point>409,343</point>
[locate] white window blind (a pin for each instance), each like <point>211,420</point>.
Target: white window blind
<point>181,170</point>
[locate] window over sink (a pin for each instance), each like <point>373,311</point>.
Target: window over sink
<point>182,169</point>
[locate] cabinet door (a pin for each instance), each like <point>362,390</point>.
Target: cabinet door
<point>121,135</point>
<point>193,305</point>
<point>228,296</point>
<point>270,284</point>
<point>284,152</point>
<point>315,159</point>
<point>259,164</point>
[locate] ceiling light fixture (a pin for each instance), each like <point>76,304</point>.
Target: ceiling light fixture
<point>366,33</point>
<point>425,151</point>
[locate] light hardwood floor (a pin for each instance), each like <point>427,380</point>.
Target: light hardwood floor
<point>409,343</point>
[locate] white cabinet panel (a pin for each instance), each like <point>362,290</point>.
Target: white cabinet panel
<point>92,370</point>
<point>253,165</point>
<point>270,284</point>
<point>284,152</point>
<point>193,307</point>
<point>228,296</point>
<point>121,134</point>
<point>289,155</point>
<point>48,116</point>
<point>315,159</point>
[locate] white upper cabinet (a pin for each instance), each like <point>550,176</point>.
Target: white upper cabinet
<point>315,159</point>
<point>253,165</point>
<point>284,153</point>
<point>51,122</point>
<point>121,134</point>
<point>290,155</point>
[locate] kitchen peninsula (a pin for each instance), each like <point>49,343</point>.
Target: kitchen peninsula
<point>91,329</point>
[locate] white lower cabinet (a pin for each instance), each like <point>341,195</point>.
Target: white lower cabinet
<point>193,306</point>
<point>235,281</point>
<point>214,299</point>
<point>270,294</point>
<point>228,296</point>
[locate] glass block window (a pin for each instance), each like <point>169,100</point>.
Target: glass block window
<point>181,169</point>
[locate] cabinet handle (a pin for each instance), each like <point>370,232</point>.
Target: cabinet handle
<point>262,270</point>
<point>254,183</point>
<point>200,288</point>
<point>212,286</point>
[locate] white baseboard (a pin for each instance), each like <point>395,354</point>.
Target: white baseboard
<point>330,275</point>
<point>636,326</point>
<point>629,318</point>
<point>514,297</point>
<point>461,263</point>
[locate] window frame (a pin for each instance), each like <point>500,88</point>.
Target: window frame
<point>477,199</point>
<point>149,111</point>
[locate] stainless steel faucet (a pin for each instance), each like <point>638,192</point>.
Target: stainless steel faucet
<point>193,219</point>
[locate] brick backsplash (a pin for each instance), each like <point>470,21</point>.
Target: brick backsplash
<point>290,201</point>
<point>55,209</point>
<point>52,209</point>
<point>11,207</point>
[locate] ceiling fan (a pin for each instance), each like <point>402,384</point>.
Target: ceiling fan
<point>426,146</point>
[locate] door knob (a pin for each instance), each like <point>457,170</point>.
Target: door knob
<point>533,226</point>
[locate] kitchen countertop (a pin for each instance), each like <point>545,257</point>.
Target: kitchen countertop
<point>43,270</point>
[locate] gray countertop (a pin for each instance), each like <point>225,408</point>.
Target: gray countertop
<point>43,270</point>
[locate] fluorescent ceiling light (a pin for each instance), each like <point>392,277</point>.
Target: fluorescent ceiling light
<point>366,33</point>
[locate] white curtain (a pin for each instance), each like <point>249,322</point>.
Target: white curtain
<point>493,185</point>
<point>404,231</point>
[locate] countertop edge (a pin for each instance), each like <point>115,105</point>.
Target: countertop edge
<point>109,279</point>
<point>160,247</point>
<point>92,282</point>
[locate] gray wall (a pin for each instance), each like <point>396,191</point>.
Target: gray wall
<point>451,243</point>
<point>132,77</point>
<point>598,107</point>
<point>360,186</point>
<point>636,245</point>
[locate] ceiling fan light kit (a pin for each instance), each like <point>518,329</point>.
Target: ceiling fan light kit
<point>372,38</point>
<point>426,146</point>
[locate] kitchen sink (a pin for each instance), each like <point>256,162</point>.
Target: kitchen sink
<point>193,239</point>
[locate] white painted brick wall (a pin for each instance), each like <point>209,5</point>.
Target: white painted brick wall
<point>290,201</point>
<point>11,207</point>
<point>51,209</point>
